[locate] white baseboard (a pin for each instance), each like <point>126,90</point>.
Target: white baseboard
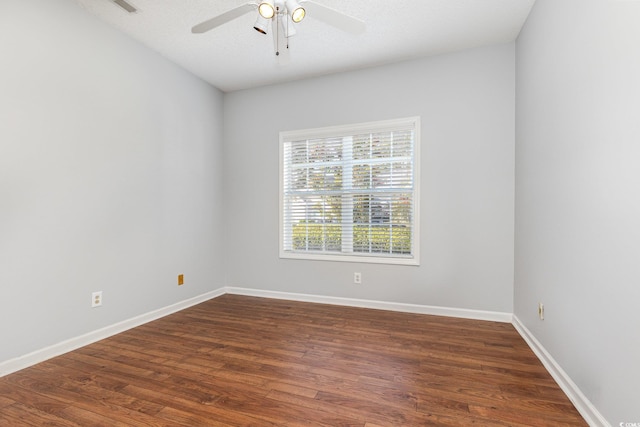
<point>494,316</point>
<point>589,412</point>
<point>22,362</point>
<point>18,363</point>
<point>591,415</point>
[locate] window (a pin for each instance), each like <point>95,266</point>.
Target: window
<point>349,193</point>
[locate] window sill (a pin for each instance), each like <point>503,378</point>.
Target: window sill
<point>368,259</point>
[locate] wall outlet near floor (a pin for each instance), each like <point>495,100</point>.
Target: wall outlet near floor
<point>357,278</point>
<point>180,279</point>
<point>541,311</point>
<point>96,299</point>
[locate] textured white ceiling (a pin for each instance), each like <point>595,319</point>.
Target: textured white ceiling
<point>234,56</point>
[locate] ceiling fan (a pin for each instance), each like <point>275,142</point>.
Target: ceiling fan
<point>284,15</point>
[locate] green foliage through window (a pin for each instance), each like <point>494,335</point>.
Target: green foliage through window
<point>350,191</point>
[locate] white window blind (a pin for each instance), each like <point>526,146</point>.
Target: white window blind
<point>349,193</point>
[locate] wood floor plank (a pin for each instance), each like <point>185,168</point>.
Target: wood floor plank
<point>246,361</point>
<point>21,414</point>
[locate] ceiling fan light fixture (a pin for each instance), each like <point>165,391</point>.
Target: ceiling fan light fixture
<point>261,24</point>
<point>266,9</point>
<point>296,11</point>
<point>288,27</point>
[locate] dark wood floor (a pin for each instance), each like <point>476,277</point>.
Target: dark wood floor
<point>243,361</point>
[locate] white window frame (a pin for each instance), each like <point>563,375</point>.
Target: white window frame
<point>342,131</point>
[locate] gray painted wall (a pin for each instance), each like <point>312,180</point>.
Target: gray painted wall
<point>466,104</point>
<point>110,177</point>
<point>577,194</point>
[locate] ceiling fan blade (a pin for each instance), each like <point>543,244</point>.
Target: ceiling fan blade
<point>223,18</point>
<point>126,6</point>
<point>335,18</point>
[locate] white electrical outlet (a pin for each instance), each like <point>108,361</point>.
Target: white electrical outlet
<point>541,311</point>
<point>357,278</point>
<point>96,299</point>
